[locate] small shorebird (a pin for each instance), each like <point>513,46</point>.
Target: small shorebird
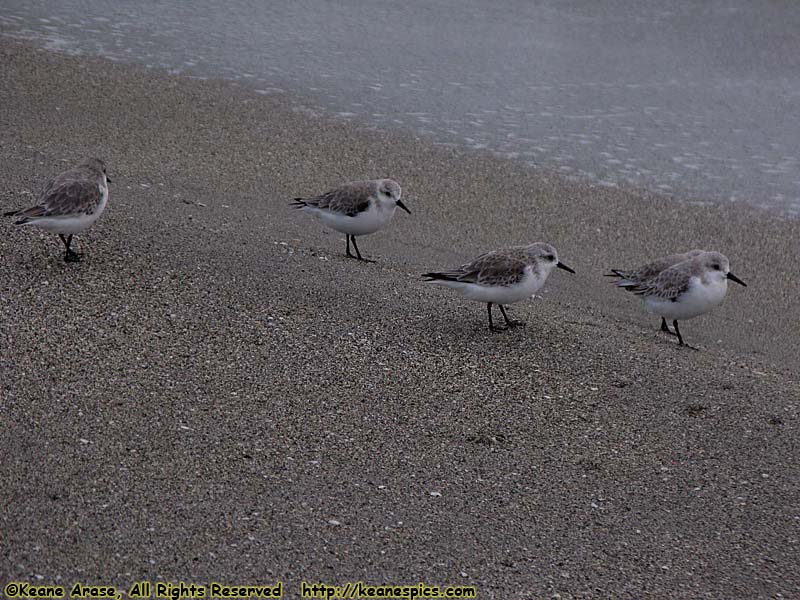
<point>636,277</point>
<point>687,289</point>
<point>502,277</point>
<point>356,208</point>
<point>70,203</point>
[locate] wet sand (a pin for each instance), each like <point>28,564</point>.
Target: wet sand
<point>217,394</point>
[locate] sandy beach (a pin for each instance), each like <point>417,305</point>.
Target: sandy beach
<point>216,393</point>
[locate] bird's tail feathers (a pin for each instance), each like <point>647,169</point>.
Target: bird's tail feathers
<point>438,277</point>
<point>623,280</point>
<point>22,214</point>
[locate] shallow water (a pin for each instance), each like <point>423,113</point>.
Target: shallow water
<point>698,100</point>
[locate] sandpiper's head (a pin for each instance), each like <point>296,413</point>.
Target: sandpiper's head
<point>545,256</point>
<point>717,266</point>
<point>96,166</point>
<point>389,194</point>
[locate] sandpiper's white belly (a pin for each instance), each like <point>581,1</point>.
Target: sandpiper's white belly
<point>697,300</point>
<point>71,224</point>
<point>65,225</point>
<point>363,223</point>
<point>498,294</point>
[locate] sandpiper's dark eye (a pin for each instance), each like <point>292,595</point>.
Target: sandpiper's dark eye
<point>549,257</point>
<point>716,267</point>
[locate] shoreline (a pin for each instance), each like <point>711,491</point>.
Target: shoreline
<point>688,223</point>
<point>228,385</point>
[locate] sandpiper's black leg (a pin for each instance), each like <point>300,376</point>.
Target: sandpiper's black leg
<point>680,339</point>
<point>678,333</point>
<point>358,254</point>
<point>491,324</point>
<point>348,247</point>
<point>508,322</point>
<point>69,254</point>
<point>665,328</point>
<point>355,246</point>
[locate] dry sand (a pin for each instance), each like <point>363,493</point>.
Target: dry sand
<point>217,394</point>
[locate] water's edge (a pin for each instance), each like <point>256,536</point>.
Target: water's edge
<point>548,87</point>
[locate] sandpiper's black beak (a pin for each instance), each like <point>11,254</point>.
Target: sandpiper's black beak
<point>403,206</point>
<point>733,277</point>
<point>561,265</point>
